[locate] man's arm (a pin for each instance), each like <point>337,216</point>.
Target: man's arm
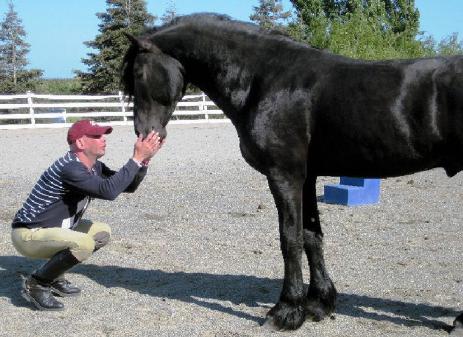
<point>112,183</point>
<point>78,177</point>
<point>106,172</point>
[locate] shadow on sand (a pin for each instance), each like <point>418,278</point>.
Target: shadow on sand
<point>208,290</point>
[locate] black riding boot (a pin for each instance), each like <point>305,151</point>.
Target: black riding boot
<point>64,288</point>
<point>37,288</point>
<point>40,295</point>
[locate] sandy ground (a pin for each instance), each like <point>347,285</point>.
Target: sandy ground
<point>195,251</point>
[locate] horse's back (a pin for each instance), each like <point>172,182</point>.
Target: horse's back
<point>360,118</point>
<point>382,118</point>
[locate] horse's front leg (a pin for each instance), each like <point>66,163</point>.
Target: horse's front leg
<point>288,313</point>
<point>321,296</point>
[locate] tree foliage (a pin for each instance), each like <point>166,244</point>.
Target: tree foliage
<point>14,77</point>
<point>121,16</point>
<point>67,86</point>
<point>367,29</point>
<point>270,14</point>
<point>170,13</point>
<point>449,45</point>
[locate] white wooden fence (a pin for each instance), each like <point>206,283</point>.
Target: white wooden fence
<point>51,111</point>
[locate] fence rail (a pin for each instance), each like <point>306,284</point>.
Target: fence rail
<point>51,111</point>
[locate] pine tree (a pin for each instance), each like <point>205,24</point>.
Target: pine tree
<point>111,44</point>
<point>14,77</point>
<point>269,14</point>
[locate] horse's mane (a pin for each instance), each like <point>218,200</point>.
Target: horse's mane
<point>127,79</point>
<point>222,20</point>
<point>201,19</point>
<point>196,19</point>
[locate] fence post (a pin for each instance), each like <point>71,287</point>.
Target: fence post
<point>31,106</point>
<point>121,100</point>
<point>206,115</point>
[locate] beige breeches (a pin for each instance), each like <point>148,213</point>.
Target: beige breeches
<point>43,243</point>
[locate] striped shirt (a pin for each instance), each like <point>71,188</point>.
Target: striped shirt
<point>64,190</point>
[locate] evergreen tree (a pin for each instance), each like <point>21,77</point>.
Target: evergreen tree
<point>368,29</point>
<point>121,16</point>
<point>14,77</point>
<point>269,14</point>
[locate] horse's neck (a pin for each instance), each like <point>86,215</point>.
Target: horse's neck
<point>218,70</point>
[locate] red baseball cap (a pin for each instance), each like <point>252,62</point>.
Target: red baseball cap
<point>86,127</point>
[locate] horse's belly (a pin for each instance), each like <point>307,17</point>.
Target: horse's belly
<point>369,162</point>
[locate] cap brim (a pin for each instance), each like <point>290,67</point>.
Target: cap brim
<point>100,130</point>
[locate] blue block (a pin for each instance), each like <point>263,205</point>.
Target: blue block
<point>353,192</point>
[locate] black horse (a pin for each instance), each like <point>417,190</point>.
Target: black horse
<point>301,113</point>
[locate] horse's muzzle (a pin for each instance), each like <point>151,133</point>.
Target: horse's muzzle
<point>162,133</point>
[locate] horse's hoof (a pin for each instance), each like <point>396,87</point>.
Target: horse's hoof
<point>269,324</point>
<point>457,330</point>
<point>284,316</point>
<point>320,305</point>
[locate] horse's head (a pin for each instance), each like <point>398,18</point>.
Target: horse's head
<point>155,81</point>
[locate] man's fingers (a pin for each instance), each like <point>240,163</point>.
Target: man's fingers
<point>152,138</point>
<point>151,135</point>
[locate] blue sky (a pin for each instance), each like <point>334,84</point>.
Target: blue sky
<point>56,29</point>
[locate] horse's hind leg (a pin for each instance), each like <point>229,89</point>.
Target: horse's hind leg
<point>289,313</point>
<point>321,296</point>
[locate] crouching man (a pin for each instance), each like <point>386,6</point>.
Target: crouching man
<point>49,225</point>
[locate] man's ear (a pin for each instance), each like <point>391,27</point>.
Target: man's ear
<point>79,144</point>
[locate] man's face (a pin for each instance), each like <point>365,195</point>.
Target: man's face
<point>94,146</point>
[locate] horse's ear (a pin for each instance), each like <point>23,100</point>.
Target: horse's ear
<point>143,44</point>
